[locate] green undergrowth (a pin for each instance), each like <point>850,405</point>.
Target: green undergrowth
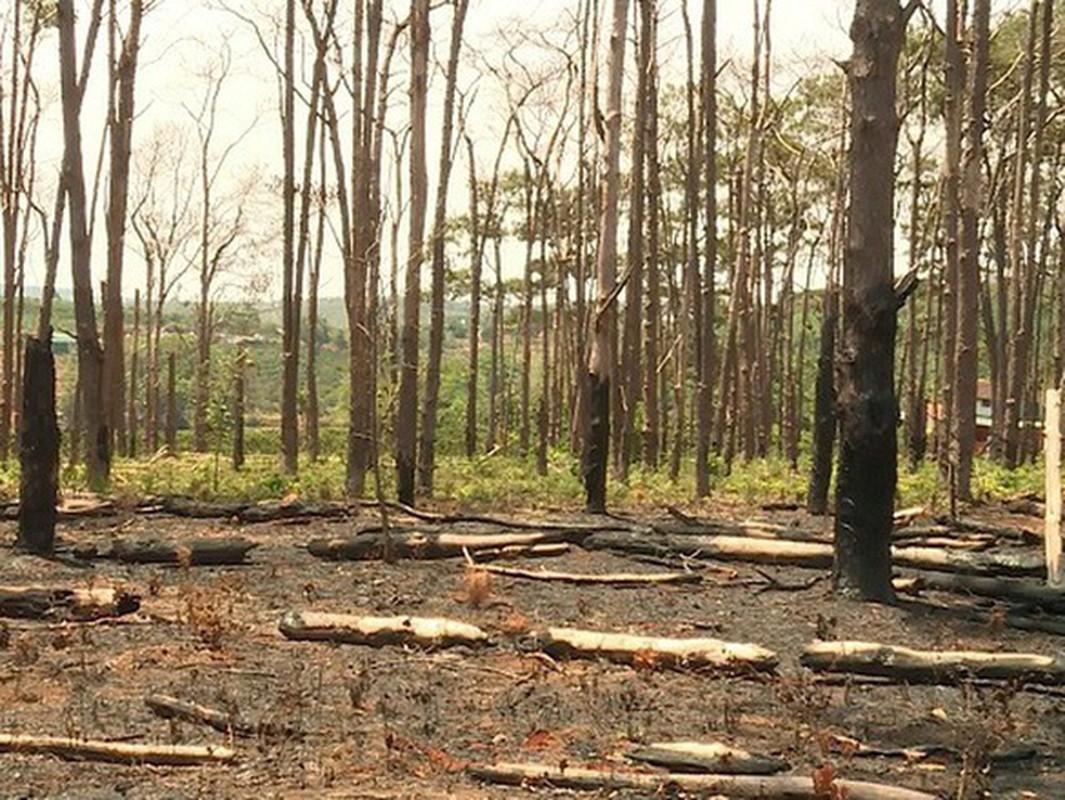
<point>500,482</point>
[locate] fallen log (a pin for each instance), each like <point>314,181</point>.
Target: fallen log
<point>925,752</point>
<point>998,531</point>
<point>816,555</point>
<point>39,602</point>
<point>378,631</point>
<point>267,511</point>
<point>1036,595</point>
<point>169,707</point>
<point>501,522</point>
<point>652,651</point>
<point>607,579</point>
<point>722,548</point>
<point>706,757</point>
<point>170,755</point>
<point>767,787</point>
<point>968,563</point>
<point>945,667</point>
<point>188,552</point>
<point>426,545</point>
<point>524,551</point>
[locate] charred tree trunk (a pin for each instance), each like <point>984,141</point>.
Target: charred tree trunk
<point>38,450</point>
<point>825,421</point>
<point>601,359</point>
<point>868,469</point>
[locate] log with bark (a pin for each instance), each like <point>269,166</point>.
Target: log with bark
<point>379,631</point>
<point>169,707</point>
<point>197,552</point>
<point>706,757</point>
<point>1027,593</point>
<point>816,555</point>
<point>781,787</point>
<point>267,511</point>
<point>170,755</point>
<point>653,651</point>
<point>40,602</point>
<point>427,544</point>
<point>931,666</point>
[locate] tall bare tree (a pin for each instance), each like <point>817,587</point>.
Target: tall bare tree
<point>407,413</point>
<point>601,366</point>
<point>868,469</point>
<point>966,362</point>
<point>123,72</point>
<point>427,448</point>
<point>90,352</point>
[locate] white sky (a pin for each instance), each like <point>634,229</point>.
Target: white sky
<point>182,37</point>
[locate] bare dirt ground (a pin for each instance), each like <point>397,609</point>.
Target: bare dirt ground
<point>394,722</point>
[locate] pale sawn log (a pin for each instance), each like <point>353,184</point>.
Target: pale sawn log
<point>170,755</point>
<point>606,579</point>
<point>707,757</point>
<point>766,787</point>
<point>42,602</point>
<point>944,667</point>
<point>653,651</point>
<point>379,631</point>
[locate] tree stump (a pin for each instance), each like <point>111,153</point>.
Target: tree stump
<point>38,450</point>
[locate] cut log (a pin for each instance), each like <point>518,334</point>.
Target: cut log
<point>930,666</point>
<point>170,755</point>
<point>968,563</point>
<point>426,545</point>
<point>707,757</point>
<point>652,651</point>
<point>722,548</point>
<point>187,552</point>
<point>378,631</point>
<point>767,787</point>
<point>905,516</point>
<point>607,579</point>
<point>816,555</point>
<point>39,602</point>
<point>524,551</point>
<point>169,707</point>
<point>501,522</point>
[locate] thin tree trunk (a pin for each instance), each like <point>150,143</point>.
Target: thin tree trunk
<point>171,403</point>
<point>132,424</point>
<point>427,449</point>
<point>90,353</point>
<point>38,450</point>
<point>601,360</point>
<point>969,276</point>
<point>407,415</point>
<point>120,125</point>
<point>239,369</point>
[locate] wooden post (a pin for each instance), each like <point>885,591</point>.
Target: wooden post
<point>1052,448</point>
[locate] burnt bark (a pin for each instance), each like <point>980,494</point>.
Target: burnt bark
<point>38,450</point>
<point>868,469</point>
